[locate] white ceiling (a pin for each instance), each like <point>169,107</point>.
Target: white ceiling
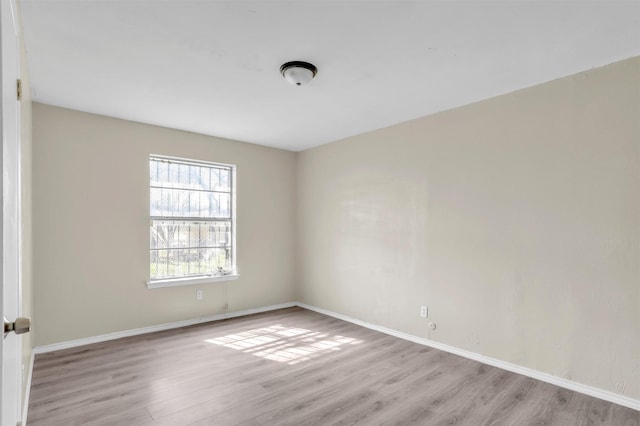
<point>212,67</point>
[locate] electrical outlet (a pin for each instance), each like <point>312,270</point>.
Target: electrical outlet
<point>199,295</point>
<point>423,311</point>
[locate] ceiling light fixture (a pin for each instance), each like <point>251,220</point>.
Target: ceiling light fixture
<point>298,72</point>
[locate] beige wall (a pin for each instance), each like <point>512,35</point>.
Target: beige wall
<point>91,225</point>
<point>26,269</point>
<point>516,220</point>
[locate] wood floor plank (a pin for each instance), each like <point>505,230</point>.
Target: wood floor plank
<point>275,377</point>
<point>292,367</point>
<point>269,397</point>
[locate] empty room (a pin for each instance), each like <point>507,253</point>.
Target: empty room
<point>320,212</point>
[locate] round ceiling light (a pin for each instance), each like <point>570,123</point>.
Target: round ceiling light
<point>298,72</point>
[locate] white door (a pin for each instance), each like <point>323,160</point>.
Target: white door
<point>10,228</point>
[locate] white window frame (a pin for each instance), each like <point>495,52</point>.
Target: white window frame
<point>197,279</point>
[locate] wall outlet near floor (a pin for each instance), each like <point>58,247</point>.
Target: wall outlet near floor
<point>199,295</point>
<point>423,311</point>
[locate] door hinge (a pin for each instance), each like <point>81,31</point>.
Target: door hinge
<point>19,89</point>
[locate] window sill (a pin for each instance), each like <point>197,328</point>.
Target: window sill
<point>176,282</point>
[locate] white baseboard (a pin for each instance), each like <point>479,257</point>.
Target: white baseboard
<point>27,391</point>
<point>153,328</point>
<point>554,380</point>
<point>545,377</point>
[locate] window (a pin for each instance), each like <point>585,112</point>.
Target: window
<point>192,221</point>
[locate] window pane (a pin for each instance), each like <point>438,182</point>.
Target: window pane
<point>187,234</point>
<point>169,202</point>
<point>203,204</point>
<point>219,205</point>
<point>171,263</point>
<point>215,179</point>
<point>225,201</point>
<point>163,173</point>
<point>200,242</point>
<point>204,178</point>
<point>153,171</point>
<point>224,184</point>
<point>156,204</point>
<point>183,176</point>
<point>165,202</point>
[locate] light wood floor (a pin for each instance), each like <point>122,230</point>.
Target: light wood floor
<point>292,367</point>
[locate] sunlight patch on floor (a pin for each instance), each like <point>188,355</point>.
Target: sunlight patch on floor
<point>284,344</point>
